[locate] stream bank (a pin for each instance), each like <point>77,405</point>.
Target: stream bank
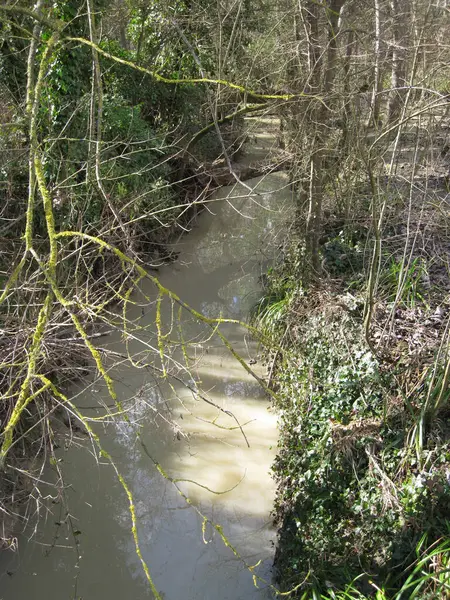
<point>363,467</point>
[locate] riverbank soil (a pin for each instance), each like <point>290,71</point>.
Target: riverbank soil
<point>363,466</point>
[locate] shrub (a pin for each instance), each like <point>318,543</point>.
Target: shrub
<point>353,497</point>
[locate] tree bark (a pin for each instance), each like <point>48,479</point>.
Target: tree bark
<point>319,116</point>
<point>333,12</point>
<point>399,52</point>
<point>376,96</point>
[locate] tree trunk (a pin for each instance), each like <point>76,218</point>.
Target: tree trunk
<point>319,115</point>
<point>399,52</point>
<point>333,12</point>
<point>376,96</point>
<point>347,101</point>
<point>313,221</point>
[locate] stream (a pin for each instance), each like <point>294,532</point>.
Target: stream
<point>89,553</point>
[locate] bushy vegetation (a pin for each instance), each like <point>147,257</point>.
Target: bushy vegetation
<point>357,494</point>
<point>363,465</point>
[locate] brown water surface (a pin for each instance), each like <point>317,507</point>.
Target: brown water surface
<point>91,554</point>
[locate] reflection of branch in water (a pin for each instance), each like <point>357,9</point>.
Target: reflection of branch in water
<point>209,436</point>
<point>205,399</point>
<point>218,528</point>
<point>181,480</point>
<point>188,386</point>
<point>212,422</point>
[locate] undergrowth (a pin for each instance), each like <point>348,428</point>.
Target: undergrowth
<point>362,507</point>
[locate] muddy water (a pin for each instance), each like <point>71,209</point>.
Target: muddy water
<point>89,553</point>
